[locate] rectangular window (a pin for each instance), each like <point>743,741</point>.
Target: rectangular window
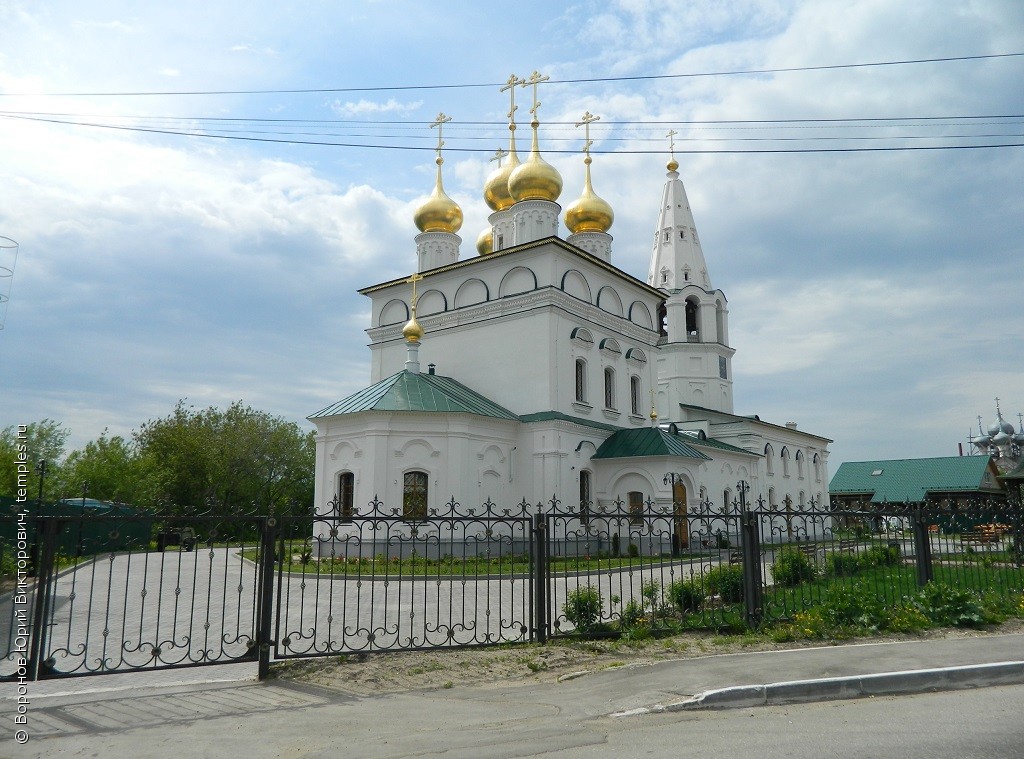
<point>609,389</point>
<point>346,496</point>
<point>723,368</point>
<point>581,381</point>
<point>636,507</point>
<point>634,394</point>
<point>414,495</point>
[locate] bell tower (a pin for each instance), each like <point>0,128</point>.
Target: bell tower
<point>694,358</point>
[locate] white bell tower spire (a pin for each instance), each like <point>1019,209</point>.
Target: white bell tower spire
<point>695,360</point>
<point>676,259</point>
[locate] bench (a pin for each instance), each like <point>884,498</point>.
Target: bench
<point>984,538</point>
<point>810,550</point>
<point>845,545</point>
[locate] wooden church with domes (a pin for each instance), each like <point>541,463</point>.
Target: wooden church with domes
<point>538,369</point>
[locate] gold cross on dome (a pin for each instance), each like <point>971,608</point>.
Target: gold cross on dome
<point>672,143</point>
<point>439,122</point>
<point>498,155</point>
<point>535,78</point>
<point>586,121</point>
<point>510,85</point>
<point>412,281</point>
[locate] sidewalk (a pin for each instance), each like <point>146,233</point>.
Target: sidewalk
<point>180,718</point>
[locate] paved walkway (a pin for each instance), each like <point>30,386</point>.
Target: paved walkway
<point>157,715</point>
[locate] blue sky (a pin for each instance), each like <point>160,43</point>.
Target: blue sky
<point>875,297</point>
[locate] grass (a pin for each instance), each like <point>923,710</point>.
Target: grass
<point>298,558</point>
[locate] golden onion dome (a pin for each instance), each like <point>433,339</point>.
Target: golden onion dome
<point>439,213</point>
<point>589,213</point>
<point>672,165</point>
<point>412,330</point>
<point>496,193</point>
<point>485,242</point>
<point>535,179</point>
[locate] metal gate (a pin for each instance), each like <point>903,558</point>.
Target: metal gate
<point>100,594</point>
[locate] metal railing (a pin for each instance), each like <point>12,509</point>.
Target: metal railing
<point>128,592</point>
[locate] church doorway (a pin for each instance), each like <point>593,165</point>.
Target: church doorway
<point>680,527</point>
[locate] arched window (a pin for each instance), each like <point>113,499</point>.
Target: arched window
<point>769,455</point>
<point>771,497</point>
<point>634,394</point>
<point>585,498</point>
<point>663,320</point>
<point>785,461</point>
<point>692,331</point>
<point>581,380</point>
<point>346,496</point>
<point>817,468</point>
<point>726,501</point>
<point>609,388</point>
<point>636,506</point>
<point>414,495</point>
<point>800,464</point>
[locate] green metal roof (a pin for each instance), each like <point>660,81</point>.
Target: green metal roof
<point>710,442</point>
<point>411,391</point>
<point>547,416</point>
<point>647,441</point>
<point>910,480</point>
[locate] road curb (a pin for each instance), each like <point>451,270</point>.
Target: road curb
<point>835,688</point>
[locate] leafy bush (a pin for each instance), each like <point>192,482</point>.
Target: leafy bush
<point>686,595</point>
<point>632,615</point>
<point>950,607</point>
<point>842,564</point>
<point>880,556</point>
<point>852,606</point>
<point>792,568</point>
<point>906,618</point>
<point>725,581</point>
<point>583,607</point>
<point>634,550</point>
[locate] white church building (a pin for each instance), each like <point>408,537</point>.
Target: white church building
<point>535,369</point>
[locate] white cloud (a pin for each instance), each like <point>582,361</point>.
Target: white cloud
<point>373,108</point>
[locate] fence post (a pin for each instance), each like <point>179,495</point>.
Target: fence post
<point>750,543</point>
<point>540,576</point>
<point>922,547</point>
<point>46,531</point>
<point>265,578</point>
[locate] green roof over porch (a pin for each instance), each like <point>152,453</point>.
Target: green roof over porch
<point>647,441</point>
<point>411,391</point>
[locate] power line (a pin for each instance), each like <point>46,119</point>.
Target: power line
<point>372,146</point>
<point>457,124</point>
<point>591,80</point>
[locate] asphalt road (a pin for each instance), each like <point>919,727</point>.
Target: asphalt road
<point>569,719</point>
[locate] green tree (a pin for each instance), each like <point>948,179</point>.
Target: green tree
<point>107,466</point>
<point>233,459</point>
<point>42,440</point>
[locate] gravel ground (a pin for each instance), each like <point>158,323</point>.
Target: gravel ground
<point>365,674</point>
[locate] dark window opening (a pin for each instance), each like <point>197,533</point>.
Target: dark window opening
<point>414,495</point>
<point>346,496</point>
<point>636,507</point>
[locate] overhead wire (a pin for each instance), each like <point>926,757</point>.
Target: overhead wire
<point>457,149</point>
<point>586,80</point>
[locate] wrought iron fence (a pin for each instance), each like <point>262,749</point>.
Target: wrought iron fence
<point>128,592</point>
<point>379,581</point>
<point>113,593</point>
